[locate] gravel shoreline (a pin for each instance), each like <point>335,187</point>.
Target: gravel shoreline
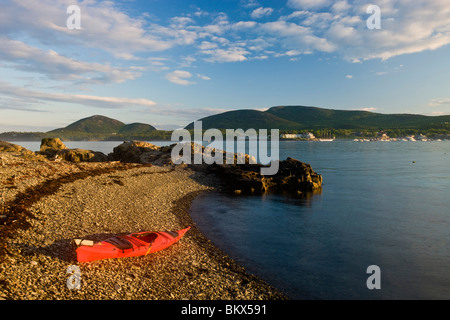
<point>46,204</point>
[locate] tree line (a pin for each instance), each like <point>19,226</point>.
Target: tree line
<point>163,135</point>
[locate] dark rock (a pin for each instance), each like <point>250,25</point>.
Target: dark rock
<point>9,147</point>
<point>53,144</point>
<point>80,155</point>
<point>54,148</point>
<point>21,151</point>
<point>294,177</point>
<point>141,152</point>
<point>13,148</point>
<point>50,146</point>
<point>144,152</point>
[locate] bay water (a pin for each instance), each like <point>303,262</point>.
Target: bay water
<point>382,203</point>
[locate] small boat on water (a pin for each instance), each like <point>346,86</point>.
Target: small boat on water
<point>135,244</point>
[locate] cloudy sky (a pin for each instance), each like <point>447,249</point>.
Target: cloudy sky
<point>169,62</point>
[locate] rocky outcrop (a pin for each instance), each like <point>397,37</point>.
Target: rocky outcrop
<point>144,152</point>
<point>141,152</point>
<point>19,151</point>
<point>51,145</point>
<point>55,149</point>
<point>294,177</point>
<point>13,148</point>
<point>80,155</point>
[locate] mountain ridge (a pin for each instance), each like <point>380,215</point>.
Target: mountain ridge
<point>315,118</point>
<point>98,124</point>
<point>242,119</point>
<point>293,119</point>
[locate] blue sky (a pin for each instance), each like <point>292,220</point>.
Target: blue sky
<point>169,62</point>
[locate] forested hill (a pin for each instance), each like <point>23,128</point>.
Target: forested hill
<point>288,118</point>
<point>320,121</point>
<point>104,125</point>
<point>94,128</point>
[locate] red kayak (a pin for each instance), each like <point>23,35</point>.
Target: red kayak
<point>135,244</point>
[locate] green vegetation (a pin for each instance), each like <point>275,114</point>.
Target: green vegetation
<point>104,125</point>
<point>246,119</point>
<point>288,119</point>
<point>156,135</point>
<point>317,118</point>
<point>95,124</point>
<point>95,128</point>
<point>352,134</point>
<point>322,122</point>
<point>136,128</point>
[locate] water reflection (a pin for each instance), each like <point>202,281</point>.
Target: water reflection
<point>376,207</point>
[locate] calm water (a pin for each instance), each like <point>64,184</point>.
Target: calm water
<point>377,207</point>
<point>102,146</point>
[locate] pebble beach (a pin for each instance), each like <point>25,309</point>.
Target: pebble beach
<point>46,204</point>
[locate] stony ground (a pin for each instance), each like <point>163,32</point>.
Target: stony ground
<point>45,205</point>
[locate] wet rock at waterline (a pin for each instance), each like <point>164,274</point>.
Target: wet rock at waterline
<point>293,176</point>
<point>55,149</point>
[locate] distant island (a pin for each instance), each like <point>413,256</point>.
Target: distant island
<point>95,128</point>
<point>288,119</point>
<point>328,122</point>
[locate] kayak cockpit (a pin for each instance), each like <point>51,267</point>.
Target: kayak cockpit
<point>147,237</point>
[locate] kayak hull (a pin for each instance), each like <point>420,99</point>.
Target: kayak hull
<point>132,245</point>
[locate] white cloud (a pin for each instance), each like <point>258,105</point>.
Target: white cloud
<point>370,109</point>
<point>349,76</point>
<point>244,25</point>
<point>180,77</point>
<point>340,27</point>
<point>261,57</point>
<point>249,3</point>
<point>298,37</point>
<point>24,57</point>
<point>232,54</point>
<point>30,100</point>
<point>312,26</point>
<point>405,29</point>
<point>33,96</point>
<point>180,22</point>
<point>206,45</point>
<point>307,4</point>
<point>291,53</point>
<point>438,102</point>
<point>436,113</point>
<point>203,77</point>
<point>104,26</point>
<point>261,12</point>
<point>340,6</point>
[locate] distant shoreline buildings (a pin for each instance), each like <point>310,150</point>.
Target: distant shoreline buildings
<point>306,136</point>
